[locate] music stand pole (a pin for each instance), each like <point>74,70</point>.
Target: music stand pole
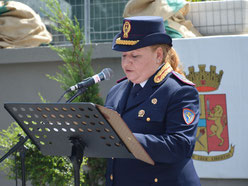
<point>22,151</point>
<point>76,158</point>
<point>78,147</point>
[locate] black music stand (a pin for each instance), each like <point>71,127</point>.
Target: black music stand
<point>77,129</point>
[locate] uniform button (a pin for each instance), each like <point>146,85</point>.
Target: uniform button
<point>148,119</point>
<point>141,113</point>
<point>156,180</point>
<point>154,101</point>
<point>111,177</point>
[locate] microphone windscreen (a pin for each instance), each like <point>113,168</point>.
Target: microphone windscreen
<point>108,73</point>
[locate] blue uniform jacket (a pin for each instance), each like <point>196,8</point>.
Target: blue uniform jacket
<point>164,129</point>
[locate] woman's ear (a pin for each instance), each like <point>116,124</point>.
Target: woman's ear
<point>160,55</point>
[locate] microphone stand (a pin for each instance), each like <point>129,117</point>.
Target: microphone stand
<point>79,92</point>
<point>22,149</point>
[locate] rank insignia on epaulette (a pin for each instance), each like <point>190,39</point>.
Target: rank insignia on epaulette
<point>188,116</point>
<point>122,79</point>
<point>182,78</point>
<point>162,73</point>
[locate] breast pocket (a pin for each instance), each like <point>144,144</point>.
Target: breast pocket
<point>153,119</point>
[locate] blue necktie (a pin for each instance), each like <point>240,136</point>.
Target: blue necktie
<point>133,94</point>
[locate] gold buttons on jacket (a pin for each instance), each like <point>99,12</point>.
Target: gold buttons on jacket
<point>156,180</point>
<point>154,101</point>
<point>148,119</point>
<point>141,113</point>
<point>111,177</point>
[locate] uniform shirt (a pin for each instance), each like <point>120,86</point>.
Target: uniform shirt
<point>166,129</point>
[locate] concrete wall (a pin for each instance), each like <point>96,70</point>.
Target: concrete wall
<point>22,76</point>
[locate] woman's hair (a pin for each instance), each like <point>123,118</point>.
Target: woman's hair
<point>170,56</point>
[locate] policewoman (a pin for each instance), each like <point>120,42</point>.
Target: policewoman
<point>159,105</point>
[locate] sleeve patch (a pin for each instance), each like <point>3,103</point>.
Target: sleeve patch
<point>188,116</point>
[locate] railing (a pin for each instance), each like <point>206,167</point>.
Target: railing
<point>102,19</point>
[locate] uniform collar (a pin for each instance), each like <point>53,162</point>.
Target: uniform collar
<point>160,76</point>
<point>144,82</point>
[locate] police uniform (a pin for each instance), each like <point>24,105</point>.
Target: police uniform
<point>163,116</point>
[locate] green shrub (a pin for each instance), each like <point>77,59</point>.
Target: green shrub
<point>40,169</point>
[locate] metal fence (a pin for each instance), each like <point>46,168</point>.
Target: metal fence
<point>220,17</point>
<point>102,19</point>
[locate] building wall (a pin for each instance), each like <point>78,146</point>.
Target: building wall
<point>23,75</point>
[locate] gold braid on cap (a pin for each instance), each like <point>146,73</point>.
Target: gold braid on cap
<point>126,42</point>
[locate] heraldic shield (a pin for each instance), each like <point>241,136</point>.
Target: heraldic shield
<point>212,131</point>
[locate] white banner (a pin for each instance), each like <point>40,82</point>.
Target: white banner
<point>218,66</point>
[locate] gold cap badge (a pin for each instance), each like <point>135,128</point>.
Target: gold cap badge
<point>126,29</point>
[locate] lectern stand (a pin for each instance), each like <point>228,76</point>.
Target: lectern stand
<point>77,129</point>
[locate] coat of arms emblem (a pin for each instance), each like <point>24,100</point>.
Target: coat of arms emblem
<point>212,131</point>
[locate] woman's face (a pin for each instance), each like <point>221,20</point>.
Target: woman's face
<point>142,63</point>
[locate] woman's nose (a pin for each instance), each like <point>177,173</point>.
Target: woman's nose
<point>127,61</point>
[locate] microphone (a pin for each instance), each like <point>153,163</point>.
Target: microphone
<point>105,74</point>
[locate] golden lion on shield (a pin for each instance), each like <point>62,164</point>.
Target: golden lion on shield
<point>217,128</point>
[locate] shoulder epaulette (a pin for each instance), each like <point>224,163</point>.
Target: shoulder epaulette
<point>122,79</point>
<point>182,78</point>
